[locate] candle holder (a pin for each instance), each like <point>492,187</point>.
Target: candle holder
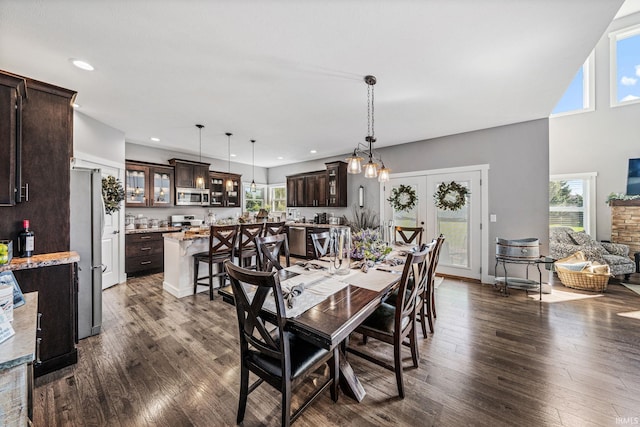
<point>339,250</point>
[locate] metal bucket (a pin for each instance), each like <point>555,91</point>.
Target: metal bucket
<point>524,249</point>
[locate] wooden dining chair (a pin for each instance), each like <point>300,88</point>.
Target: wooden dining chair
<point>270,249</point>
<point>246,247</point>
<point>321,243</point>
<point>275,355</point>
<point>273,228</point>
<point>393,323</point>
<point>222,242</point>
<point>410,235</point>
<point>429,308</point>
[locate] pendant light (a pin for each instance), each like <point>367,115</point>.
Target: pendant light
<point>253,162</point>
<point>229,183</point>
<point>372,169</point>
<point>200,179</point>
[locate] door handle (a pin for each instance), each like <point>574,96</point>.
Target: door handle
<point>116,231</point>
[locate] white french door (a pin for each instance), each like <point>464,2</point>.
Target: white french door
<point>461,252</point>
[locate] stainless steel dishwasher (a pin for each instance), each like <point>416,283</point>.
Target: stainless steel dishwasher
<point>298,241</point>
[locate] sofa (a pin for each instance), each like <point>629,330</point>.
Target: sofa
<point>564,241</point>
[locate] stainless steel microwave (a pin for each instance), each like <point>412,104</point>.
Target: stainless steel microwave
<point>192,197</point>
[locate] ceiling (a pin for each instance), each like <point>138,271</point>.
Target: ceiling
<point>290,74</point>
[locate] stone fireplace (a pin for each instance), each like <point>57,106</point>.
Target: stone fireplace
<point>625,223</point>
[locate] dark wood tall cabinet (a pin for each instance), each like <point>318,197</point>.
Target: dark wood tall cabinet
<point>11,95</point>
<point>46,147</point>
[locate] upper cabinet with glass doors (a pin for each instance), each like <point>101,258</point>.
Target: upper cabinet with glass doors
<point>148,185</point>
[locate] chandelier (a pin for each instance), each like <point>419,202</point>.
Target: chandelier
<point>375,166</point>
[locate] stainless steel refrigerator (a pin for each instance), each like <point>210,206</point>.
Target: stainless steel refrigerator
<point>87,220</point>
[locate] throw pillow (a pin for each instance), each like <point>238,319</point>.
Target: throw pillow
<point>581,238</point>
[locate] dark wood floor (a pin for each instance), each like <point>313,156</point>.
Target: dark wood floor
<point>494,361</point>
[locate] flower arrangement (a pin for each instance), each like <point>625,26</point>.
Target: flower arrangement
<point>368,244</point>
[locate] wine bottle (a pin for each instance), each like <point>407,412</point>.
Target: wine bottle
<point>26,240</point>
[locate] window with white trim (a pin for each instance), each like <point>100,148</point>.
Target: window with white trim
<point>253,201</point>
<point>578,97</point>
<point>278,198</point>
<point>572,202</point>
<point>625,66</point>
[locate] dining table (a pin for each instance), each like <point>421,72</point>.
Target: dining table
<point>332,306</point>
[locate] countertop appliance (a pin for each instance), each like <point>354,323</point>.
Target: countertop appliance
<point>192,197</point>
<point>182,220</point>
<point>86,239</point>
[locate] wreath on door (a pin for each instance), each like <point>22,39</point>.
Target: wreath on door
<point>112,194</point>
<point>451,196</point>
<point>403,198</point>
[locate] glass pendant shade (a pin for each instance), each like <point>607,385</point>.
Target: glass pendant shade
<point>354,165</point>
<point>200,179</point>
<point>229,184</point>
<point>370,170</point>
<point>253,186</point>
<point>383,175</point>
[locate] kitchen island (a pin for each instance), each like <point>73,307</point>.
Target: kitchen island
<point>178,261</point>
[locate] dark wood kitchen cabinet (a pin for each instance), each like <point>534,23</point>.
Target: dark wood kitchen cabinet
<point>148,185</point>
<point>144,253</point>
<point>46,127</point>
<point>296,191</point>
<point>315,187</point>
<point>336,184</point>
<point>220,196</point>
<point>188,172</point>
<point>56,337</point>
<point>319,188</point>
<point>11,96</point>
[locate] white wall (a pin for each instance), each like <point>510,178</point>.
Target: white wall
<point>600,141</point>
<point>97,142</point>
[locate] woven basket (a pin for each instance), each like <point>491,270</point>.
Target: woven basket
<point>585,280</point>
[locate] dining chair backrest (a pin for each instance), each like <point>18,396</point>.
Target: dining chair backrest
<point>321,243</point>
<point>246,246</point>
<point>413,276</point>
<point>270,248</point>
<point>222,239</point>
<point>410,235</point>
<point>273,228</point>
<point>261,332</point>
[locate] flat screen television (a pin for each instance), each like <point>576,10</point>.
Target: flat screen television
<point>633,178</point>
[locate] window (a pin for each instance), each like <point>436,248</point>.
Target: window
<point>625,66</point>
<point>278,198</point>
<point>578,96</point>
<point>254,201</point>
<point>572,202</point>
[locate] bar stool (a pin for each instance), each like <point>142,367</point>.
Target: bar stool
<point>273,228</point>
<point>246,247</point>
<point>222,243</point>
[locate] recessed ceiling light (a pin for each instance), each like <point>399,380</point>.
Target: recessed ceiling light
<point>313,151</point>
<point>154,139</point>
<point>280,158</point>
<point>233,155</point>
<point>75,105</point>
<point>83,65</point>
